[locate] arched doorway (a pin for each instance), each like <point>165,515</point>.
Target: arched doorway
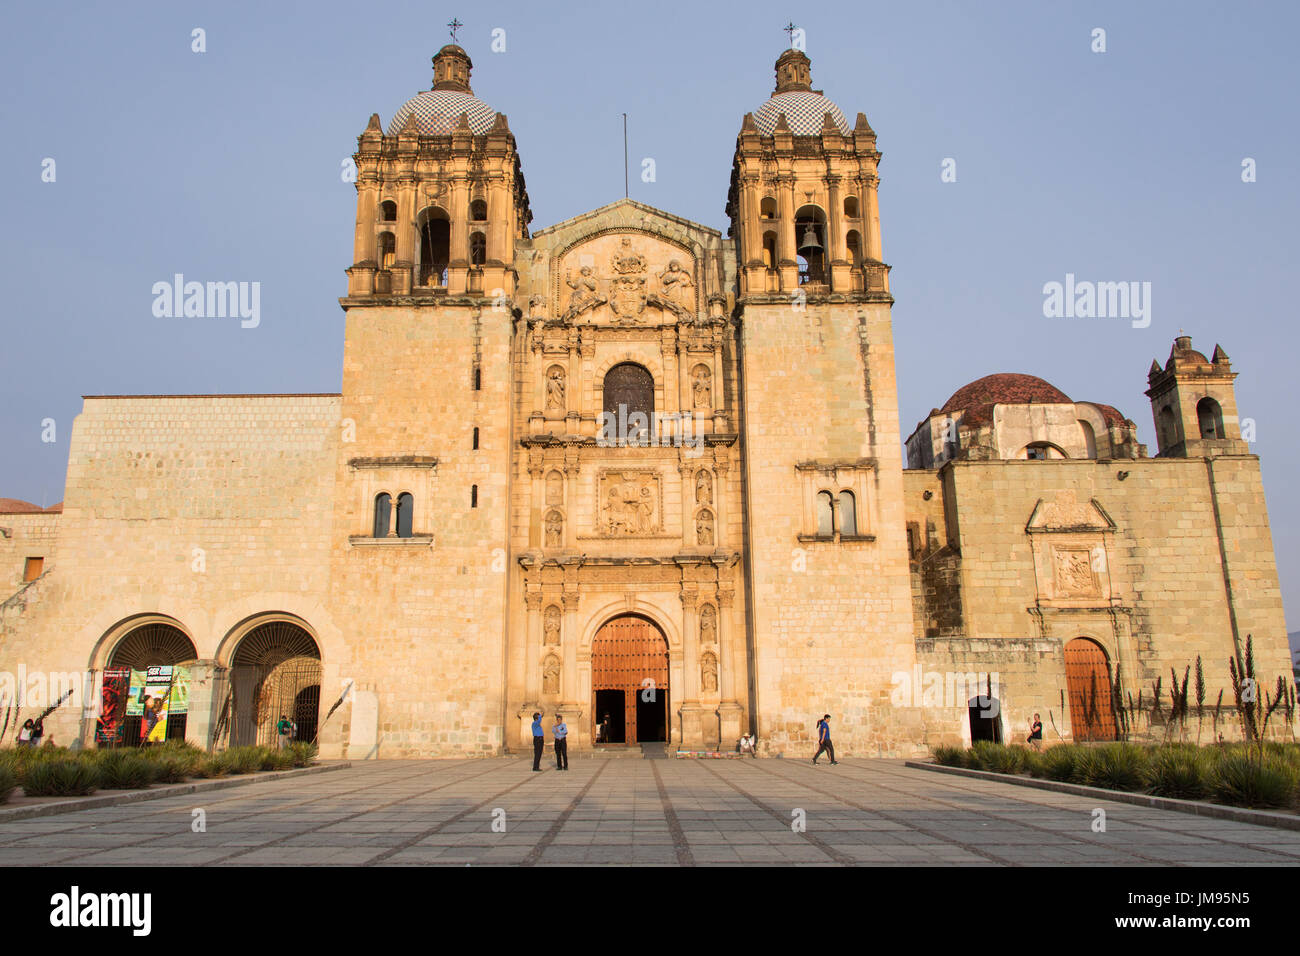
<point>275,671</point>
<point>629,680</point>
<point>129,685</point>
<point>1087,674</point>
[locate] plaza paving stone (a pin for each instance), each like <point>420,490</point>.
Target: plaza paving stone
<point>637,812</point>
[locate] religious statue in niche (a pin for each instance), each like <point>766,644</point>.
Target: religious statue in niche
<point>555,389</point>
<point>551,625</point>
<point>554,489</point>
<point>709,674</point>
<point>629,503</point>
<point>584,291</point>
<point>551,675</point>
<point>708,624</point>
<point>554,530</point>
<point>702,385</point>
<point>704,528</point>
<point>703,487</point>
<point>676,284</point>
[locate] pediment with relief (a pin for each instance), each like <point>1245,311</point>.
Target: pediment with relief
<point>627,278</point>
<point>1065,512</point>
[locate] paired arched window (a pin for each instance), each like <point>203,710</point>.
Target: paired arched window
<point>385,519</point>
<point>1209,417</point>
<point>837,516</point>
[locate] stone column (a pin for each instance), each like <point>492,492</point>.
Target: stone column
<point>407,257</point>
<point>732,669</point>
<point>691,711</point>
<point>575,711</point>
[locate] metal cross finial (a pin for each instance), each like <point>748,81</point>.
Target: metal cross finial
<point>455,25</point>
<point>789,28</point>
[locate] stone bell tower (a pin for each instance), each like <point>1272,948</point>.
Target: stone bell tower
<point>1194,403</point>
<point>831,618</point>
<point>422,484</point>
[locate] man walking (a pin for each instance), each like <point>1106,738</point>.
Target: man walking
<point>561,734</point>
<point>539,742</point>
<point>824,740</point>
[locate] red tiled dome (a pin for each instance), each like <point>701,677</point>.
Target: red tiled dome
<point>13,506</point>
<point>1006,388</point>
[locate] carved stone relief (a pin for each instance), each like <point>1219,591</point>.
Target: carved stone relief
<point>709,673</point>
<point>703,487</point>
<point>630,503</point>
<point>702,386</point>
<point>704,527</point>
<point>551,675</point>
<point>555,387</point>
<point>1073,572</point>
<point>708,624</point>
<point>554,530</point>
<point>555,488</point>
<point>551,625</point>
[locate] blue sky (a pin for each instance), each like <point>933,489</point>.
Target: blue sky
<point>1123,165</point>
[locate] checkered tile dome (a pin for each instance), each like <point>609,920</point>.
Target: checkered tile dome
<point>803,111</point>
<point>438,113</point>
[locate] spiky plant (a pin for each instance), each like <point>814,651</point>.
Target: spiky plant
<point>1200,697</point>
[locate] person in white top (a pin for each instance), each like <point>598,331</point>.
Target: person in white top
<point>25,734</point>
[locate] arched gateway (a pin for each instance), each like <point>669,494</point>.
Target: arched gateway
<point>629,680</point>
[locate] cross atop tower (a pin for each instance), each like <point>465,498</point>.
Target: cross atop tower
<point>789,29</point>
<point>454,25</point>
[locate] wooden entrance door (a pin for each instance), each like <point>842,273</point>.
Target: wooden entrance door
<point>626,654</point>
<point>1087,673</point>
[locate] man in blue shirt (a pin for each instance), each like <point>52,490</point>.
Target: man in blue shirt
<point>561,733</point>
<point>824,740</point>
<point>539,742</point>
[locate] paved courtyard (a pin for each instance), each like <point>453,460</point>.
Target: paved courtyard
<point>633,811</point>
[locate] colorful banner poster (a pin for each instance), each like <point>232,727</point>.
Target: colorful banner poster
<point>155,694</point>
<point>113,697</point>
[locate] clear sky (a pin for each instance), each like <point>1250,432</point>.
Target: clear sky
<point>225,165</point>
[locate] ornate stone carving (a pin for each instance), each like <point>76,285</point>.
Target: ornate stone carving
<point>554,488</point>
<point>709,673</point>
<point>585,294</point>
<point>708,624</point>
<point>677,284</point>
<point>628,284</point>
<point>537,307</point>
<point>702,386</point>
<point>1067,511</point>
<point>555,389</point>
<point>704,527</point>
<point>629,503</point>
<point>1074,576</point>
<point>551,675</point>
<point>703,487</point>
<point>554,529</point>
<point>551,625</point>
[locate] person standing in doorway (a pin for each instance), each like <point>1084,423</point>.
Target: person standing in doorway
<point>561,734</point>
<point>824,740</point>
<point>539,742</point>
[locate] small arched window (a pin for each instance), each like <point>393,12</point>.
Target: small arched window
<point>767,208</point>
<point>848,513</point>
<point>629,390</point>
<point>478,211</point>
<point>851,207</point>
<point>388,211</point>
<point>1210,418</point>
<point>854,243</point>
<point>825,514</point>
<point>477,249</point>
<point>1168,428</point>
<point>383,514</point>
<point>405,514</point>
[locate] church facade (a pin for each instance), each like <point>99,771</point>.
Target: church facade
<point>635,471</point>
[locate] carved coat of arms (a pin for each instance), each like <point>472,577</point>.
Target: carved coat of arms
<point>628,284</point>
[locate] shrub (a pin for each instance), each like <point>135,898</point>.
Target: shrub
<point>8,781</point>
<point>172,768</point>
<point>122,769</point>
<point>273,759</point>
<point>1177,772</point>
<point>1005,759</point>
<point>304,754</point>
<point>1117,767</point>
<point>1243,782</point>
<point>1059,763</point>
<point>61,778</point>
<point>944,756</point>
<point>239,760</point>
<point>214,765</point>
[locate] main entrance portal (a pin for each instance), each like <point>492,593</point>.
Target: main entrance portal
<point>629,680</point>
